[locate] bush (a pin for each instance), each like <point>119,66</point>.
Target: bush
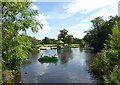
<point>107,62</point>
<point>8,76</point>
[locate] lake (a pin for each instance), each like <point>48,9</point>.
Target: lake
<point>72,67</point>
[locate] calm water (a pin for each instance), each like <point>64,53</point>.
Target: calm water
<point>72,67</point>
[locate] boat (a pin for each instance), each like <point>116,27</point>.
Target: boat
<point>43,61</point>
<point>48,58</point>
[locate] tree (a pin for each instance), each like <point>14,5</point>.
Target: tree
<point>16,17</point>
<point>92,35</point>
<point>62,35</point>
<point>107,62</point>
<point>34,42</point>
<point>82,43</point>
<point>76,41</point>
<point>46,40</point>
<point>69,39</point>
<point>96,37</point>
<point>53,41</point>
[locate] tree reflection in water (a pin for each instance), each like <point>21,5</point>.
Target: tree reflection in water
<point>65,55</point>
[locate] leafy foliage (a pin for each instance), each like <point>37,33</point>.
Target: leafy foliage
<point>69,39</point>
<point>62,35</point>
<point>14,51</point>
<point>76,40</point>
<point>82,43</point>
<point>96,37</point>
<point>53,41</point>
<point>107,62</point>
<point>8,76</point>
<point>16,16</point>
<point>47,40</point>
<point>34,42</point>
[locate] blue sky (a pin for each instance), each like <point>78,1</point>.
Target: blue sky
<point>73,16</point>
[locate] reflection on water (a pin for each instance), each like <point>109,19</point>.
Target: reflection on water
<point>71,67</point>
<point>55,62</point>
<point>65,55</point>
<point>34,52</point>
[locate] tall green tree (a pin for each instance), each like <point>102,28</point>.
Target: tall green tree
<point>16,16</point>
<point>92,35</point>
<point>46,40</point>
<point>99,33</point>
<point>53,41</point>
<point>76,41</point>
<point>62,35</point>
<point>107,63</point>
<point>34,42</point>
<point>69,39</point>
<point>82,43</point>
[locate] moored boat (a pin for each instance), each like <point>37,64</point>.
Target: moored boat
<point>48,58</point>
<point>48,61</point>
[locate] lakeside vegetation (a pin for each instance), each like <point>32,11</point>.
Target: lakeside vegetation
<point>16,17</point>
<point>106,64</point>
<point>104,37</point>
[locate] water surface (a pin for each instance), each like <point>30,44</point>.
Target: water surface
<point>72,67</point>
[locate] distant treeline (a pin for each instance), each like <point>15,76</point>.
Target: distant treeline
<point>71,40</point>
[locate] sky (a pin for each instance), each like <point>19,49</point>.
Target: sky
<point>75,16</point>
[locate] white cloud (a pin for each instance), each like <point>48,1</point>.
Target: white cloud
<point>33,0</point>
<point>110,10</point>
<point>78,30</point>
<point>86,20</point>
<point>86,6</point>
<point>105,12</point>
<point>81,26</point>
<point>38,37</point>
<point>52,0</point>
<point>42,18</point>
<point>45,29</point>
<point>77,34</point>
<point>100,13</point>
<point>98,7</point>
<point>34,7</point>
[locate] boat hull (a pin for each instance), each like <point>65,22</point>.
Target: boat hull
<point>41,61</point>
<point>48,58</point>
